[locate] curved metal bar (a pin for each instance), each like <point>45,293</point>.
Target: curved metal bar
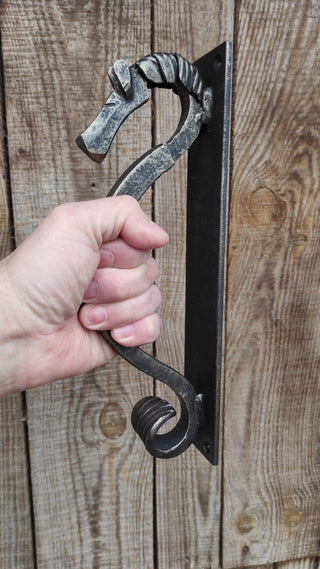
<point>131,90</point>
<point>151,413</point>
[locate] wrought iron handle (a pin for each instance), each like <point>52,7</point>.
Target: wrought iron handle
<point>150,413</point>
<point>131,90</point>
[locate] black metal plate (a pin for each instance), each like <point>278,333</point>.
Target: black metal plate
<point>206,248</point>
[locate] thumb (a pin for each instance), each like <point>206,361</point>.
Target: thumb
<point>121,216</point>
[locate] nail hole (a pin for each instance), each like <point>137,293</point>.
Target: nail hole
<point>206,447</point>
<point>217,64</point>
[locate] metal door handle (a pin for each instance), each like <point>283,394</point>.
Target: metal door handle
<point>131,89</point>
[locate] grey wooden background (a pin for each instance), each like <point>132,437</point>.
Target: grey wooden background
<point>77,489</point>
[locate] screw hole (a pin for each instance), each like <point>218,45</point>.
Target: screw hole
<point>206,447</point>
<point>217,64</point>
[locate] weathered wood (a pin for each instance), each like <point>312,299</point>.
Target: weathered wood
<point>16,546</point>
<point>92,480</point>
<point>6,240</point>
<point>272,392</point>
<point>188,488</point>
<point>16,540</point>
<point>309,563</point>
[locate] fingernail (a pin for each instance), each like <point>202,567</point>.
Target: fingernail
<point>95,315</point>
<point>106,257</point>
<point>91,291</point>
<point>123,333</point>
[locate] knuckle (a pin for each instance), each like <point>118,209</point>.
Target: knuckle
<point>62,210</point>
<point>129,203</point>
<point>155,297</point>
<point>157,326</point>
<point>151,269</point>
<point>61,215</point>
<point>153,327</point>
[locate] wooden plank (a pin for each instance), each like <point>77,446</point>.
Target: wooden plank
<point>92,484</point>
<point>16,546</point>
<point>272,392</point>
<point>6,240</point>
<point>188,488</point>
<point>308,563</point>
<point>16,540</point>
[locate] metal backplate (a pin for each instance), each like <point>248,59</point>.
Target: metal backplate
<point>206,248</point>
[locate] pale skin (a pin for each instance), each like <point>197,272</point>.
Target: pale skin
<point>86,267</point>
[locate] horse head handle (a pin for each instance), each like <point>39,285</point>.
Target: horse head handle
<point>131,90</point>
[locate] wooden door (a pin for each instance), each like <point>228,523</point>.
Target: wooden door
<point>77,487</point>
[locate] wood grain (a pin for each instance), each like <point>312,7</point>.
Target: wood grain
<point>16,540</point>
<point>92,481</point>
<point>272,391</point>
<point>308,563</point>
<point>16,547</point>
<point>6,229</point>
<point>305,563</point>
<point>188,488</point>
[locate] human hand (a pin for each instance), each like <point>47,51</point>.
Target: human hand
<point>94,256</point>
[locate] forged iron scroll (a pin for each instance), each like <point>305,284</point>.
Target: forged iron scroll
<point>131,90</point>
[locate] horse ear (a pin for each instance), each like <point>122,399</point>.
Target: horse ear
<point>119,75</point>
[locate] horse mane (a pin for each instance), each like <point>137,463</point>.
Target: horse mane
<point>171,70</point>
<point>167,70</point>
